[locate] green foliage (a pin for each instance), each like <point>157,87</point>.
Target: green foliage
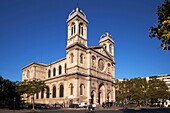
<point>157,90</point>
<point>141,92</point>
<point>162,29</point>
<point>8,94</point>
<point>30,88</point>
<point>139,89</point>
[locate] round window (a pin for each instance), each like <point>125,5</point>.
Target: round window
<point>101,64</point>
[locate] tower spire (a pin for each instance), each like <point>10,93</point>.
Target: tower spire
<point>77,28</point>
<point>77,5</point>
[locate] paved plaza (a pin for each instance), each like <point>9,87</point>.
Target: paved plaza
<point>80,110</point>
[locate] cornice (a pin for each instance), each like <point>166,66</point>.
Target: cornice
<point>40,64</point>
<point>76,44</point>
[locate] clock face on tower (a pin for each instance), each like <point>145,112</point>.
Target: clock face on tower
<point>101,65</point>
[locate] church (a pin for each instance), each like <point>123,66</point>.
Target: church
<point>86,74</point>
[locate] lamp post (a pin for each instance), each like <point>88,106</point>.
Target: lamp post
<point>14,103</point>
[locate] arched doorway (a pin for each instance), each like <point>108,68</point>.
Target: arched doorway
<point>109,97</point>
<point>101,94</point>
<point>93,97</point>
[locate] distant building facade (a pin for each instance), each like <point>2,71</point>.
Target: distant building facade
<point>165,78</point>
<point>86,74</point>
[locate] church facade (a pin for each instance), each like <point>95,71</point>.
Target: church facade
<point>86,74</point>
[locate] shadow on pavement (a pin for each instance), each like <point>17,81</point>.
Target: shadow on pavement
<point>147,110</point>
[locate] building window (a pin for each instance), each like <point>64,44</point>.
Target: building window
<point>61,93</point>
<point>93,61</point>
<point>48,92</point>
<point>81,58</point>
<point>49,73</point>
<point>60,70</point>
<point>54,92</point>
<point>42,93</point>
<point>65,67</point>
<point>73,29</point>
<point>71,89</point>
<point>28,74</point>
<point>37,95</point>
<point>104,45</point>
<point>110,48</point>
<point>81,29</point>
<point>71,57</point>
<point>108,67</point>
<point>54,71</point>
<point>81,89</point>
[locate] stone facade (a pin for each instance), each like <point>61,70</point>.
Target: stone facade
<point>86,74</point>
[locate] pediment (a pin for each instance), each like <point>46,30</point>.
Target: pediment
<point>101,50</point>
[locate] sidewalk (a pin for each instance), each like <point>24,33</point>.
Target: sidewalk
<point>98,108</point>
<point>18,111</point>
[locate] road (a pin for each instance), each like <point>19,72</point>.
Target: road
<point>148,110</point>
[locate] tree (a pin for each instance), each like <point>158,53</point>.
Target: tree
<point>158,91</point>
<point>162,29</point>
<point>138,91</point>
<point>122,91</point>
<point>30,88</point>
<point>9,97</point>
<point>141,92</point>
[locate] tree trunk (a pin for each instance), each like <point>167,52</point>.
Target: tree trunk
<point>33,103</point>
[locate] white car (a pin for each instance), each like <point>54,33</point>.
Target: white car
<point>83,104</point>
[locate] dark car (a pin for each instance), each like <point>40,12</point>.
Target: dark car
<point>42,106</point>
<point>73,106</point>
<point>108,104</point>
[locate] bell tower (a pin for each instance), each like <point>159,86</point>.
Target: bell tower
<point>77,28</point>
<point>107,42</point>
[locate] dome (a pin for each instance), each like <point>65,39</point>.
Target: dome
<point>78,11</point>
<point>106,35</point>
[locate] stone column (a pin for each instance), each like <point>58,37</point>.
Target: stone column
<point>113,94</point>
<point>88,89</point>
<point>76,90</point>
<point>77,30</point>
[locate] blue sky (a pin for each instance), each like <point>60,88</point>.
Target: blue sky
<point>36,31</point>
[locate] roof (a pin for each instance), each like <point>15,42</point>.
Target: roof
<point>77,12</point>
<point>105,37</point>
<point>36,63</point>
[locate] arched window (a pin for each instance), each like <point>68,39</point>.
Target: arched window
<point>28,74</point>
<point>71,57</point>
<point>104,45</point>
<point>81,29</point>
<point>82,89</point>
<point>47,92</point>
<point>54,92</point>
<point>110,48</point>
<point>73,29</point>
<point>49,73</point>
<point>108,67</point>
<point>61,93</point>
<point>54,71</point>
<point>93,61</point>
<point>65,67</point>
<point>42,93</point>
<point>60,70</point>
<point>81,58</point>
<point>71,89</point>
<point>37,95</point>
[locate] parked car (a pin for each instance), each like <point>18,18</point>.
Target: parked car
<point>73,106</point>
<point>108,104</point>
<point>83,104</point>
<point>42,106</point>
